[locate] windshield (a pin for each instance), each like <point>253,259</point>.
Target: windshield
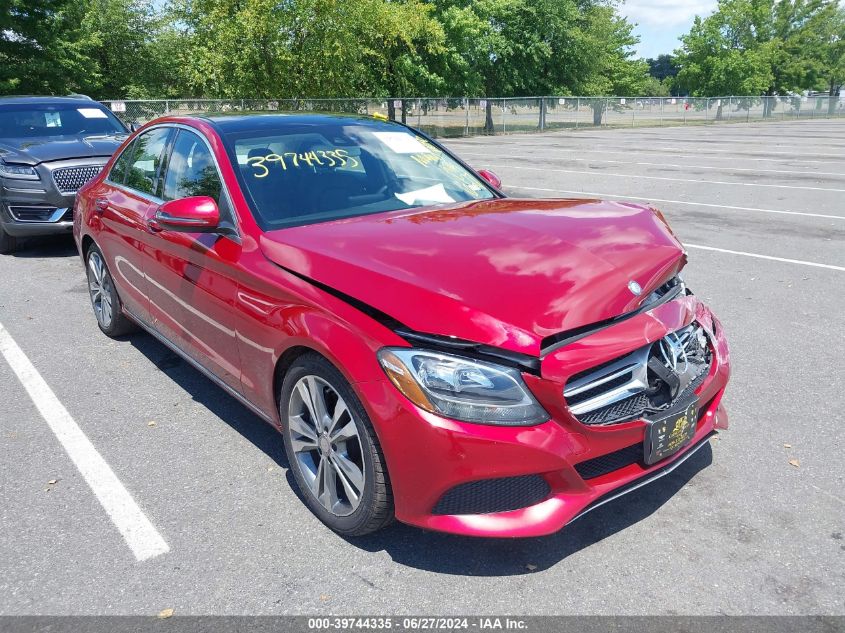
<point>86,118</point>
<point>308,173</point>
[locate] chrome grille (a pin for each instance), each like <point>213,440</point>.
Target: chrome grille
<point>70,179</point>
<point>631,387</point>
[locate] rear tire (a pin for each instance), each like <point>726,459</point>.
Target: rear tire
<point>8,243</point>
<point>333,450</point>
<point>108,308</point>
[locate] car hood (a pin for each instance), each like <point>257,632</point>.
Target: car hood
<point>503,272</point>
<point>31,151</point>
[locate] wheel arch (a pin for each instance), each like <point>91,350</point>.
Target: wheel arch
<point>283,364</point>
<point>87,242</point>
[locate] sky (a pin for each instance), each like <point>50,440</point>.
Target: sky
<point>660,22</point>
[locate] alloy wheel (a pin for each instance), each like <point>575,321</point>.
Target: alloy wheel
<point>327,446</point>
<point>100,288</point>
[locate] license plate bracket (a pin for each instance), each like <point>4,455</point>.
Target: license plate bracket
<point>670,432</point>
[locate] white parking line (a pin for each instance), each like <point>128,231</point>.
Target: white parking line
<point>734,151</point>
<point>140,535</point>
<point>740,153</point>
<point>596,174</point>
<point>695,204</point>
<point>668,151</point>
<point>731,136</point>
<point>769,257</point>
<point>665,164</point>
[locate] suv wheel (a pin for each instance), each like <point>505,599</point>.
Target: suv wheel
<point>333,450</point>
<point>107,306</point>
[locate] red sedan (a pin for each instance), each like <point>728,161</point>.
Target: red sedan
<point>430,349</point>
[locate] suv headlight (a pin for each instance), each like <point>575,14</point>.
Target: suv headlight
<point>20,172</point>
<point>462,388</point>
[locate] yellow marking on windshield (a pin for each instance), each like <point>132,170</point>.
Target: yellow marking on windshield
<point>333,158</point>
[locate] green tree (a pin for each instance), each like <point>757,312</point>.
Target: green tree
<point>750,47</point>
<point>832,55</point>
<point>130,50</point>
<point>714,61</point>
<point>607,46</point>
<point>308,48</point>
<point>656,88</point>
<point>528,47</point>
<point>662,67</point>
<point>401,40</point>
<point>38,53</point>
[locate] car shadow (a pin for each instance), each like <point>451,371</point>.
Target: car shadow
<point>47,246</point>
<point>469,556</point>
<point>203,391</point>
<point>428,550</point>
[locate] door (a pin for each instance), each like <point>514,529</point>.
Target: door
<point>122,202</point>
<point>191,283</point>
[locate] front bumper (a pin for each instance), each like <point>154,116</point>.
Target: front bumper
<point>59,223</point>
<point>429,456</point>
<point>38,207</point>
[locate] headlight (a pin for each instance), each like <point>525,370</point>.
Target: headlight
<point>462,388</point>
<point>20,172</point>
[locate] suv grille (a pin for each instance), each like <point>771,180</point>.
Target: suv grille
<point>645,381</point>
<point>70,179</point>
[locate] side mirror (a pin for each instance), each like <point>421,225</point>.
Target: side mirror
<point>198,214</point>
<point>134,126</point>
<point>490,177</point>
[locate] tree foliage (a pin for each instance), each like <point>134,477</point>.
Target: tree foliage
<point>316,48</point>
<point>751,47</point>
<point>405,48</point>
<point>38,46</point>
<point>831,58</point>
<point>663,67</point>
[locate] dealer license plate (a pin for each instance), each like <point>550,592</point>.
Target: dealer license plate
<point>670,433</point>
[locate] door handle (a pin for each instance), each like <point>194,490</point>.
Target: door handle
<point>101,204</point>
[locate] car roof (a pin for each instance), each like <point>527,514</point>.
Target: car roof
<point>256,121</point>
<point>45,100</point>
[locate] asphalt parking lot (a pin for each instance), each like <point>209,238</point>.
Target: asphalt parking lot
<point>755,524</point>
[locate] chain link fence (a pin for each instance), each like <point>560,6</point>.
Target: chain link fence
<point>450,117</point>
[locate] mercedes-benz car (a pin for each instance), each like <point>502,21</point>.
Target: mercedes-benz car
<point>430,349</point>
<point>49,148</point>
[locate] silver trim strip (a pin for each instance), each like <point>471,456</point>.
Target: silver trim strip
<point>55,217</point>
<point>646,480</point>
<point>632,368</point>
<point>200,368</point>
<point>635,365</point>
<point>574,391</point>
<point>17,190</point>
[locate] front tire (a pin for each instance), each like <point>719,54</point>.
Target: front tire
<point>8,243</point>
<point>104,299</point>
<point>332,449</point>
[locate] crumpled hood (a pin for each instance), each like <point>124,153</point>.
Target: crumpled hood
<point>503,272</point>
<point>31,151</point>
